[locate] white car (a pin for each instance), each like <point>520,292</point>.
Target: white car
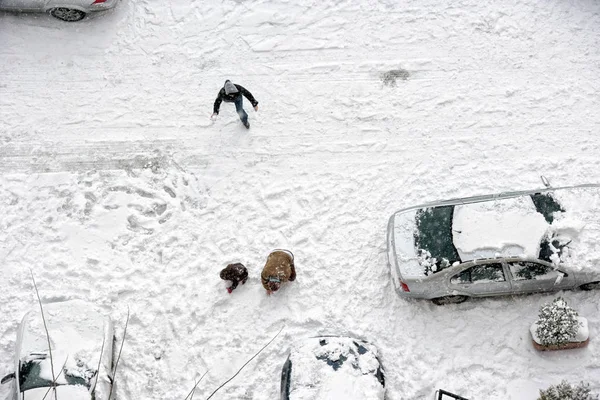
<point>81,340</point>
<point>333,367</point>
<point>66,10</point>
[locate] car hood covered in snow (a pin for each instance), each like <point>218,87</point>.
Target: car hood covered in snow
<point>335,368</point>
<point>77,331</point>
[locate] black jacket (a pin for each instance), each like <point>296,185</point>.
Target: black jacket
<point>231,98</point>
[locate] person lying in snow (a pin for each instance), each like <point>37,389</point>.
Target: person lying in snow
<point>278,269</point>
<point>232,93</point>
<point>235,273</point>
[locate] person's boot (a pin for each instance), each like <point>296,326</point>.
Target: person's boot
<point>246,124</point>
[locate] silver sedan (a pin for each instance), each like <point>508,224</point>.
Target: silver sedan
<point>501,244</point>
<point>66,10</point>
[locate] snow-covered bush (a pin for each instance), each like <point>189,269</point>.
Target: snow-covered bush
<point>557,323</point>
<point>566,391</point>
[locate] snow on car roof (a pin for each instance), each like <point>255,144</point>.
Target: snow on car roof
<point>509,227</point>
<point>351,376</point>
<point>76,331</point>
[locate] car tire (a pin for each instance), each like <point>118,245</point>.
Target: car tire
<point>67,14</point>
<point>440,301</point>
<point>590,286</point>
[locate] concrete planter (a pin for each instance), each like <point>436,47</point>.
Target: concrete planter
<point>580,340</point>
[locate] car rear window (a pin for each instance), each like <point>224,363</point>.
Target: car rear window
<point>433,237</point>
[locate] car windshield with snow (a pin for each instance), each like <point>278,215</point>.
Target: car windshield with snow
<point>333,367</point>
<point>508,243</point>
<point>80,363</point>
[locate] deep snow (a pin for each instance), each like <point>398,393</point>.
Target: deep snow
<point>117,188</point>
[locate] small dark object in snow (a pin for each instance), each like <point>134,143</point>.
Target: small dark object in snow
<point>235,273</point>
<point>389,78</point>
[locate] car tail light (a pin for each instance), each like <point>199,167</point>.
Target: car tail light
<point>404,287</point>
<point>99,1</point>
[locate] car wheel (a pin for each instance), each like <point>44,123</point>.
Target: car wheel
<point>67,14</point>
<point>440,301</point>
<point>590,286</point>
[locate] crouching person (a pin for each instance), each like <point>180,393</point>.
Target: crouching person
<point>235,273</point>
<point>278,269</point>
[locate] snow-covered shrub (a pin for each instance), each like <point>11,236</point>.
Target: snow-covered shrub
<point>566,391</point>
<point>557,323</point>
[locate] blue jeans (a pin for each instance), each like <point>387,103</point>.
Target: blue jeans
<point>240,110</point>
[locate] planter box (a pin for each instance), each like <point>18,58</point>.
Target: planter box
<point>581,339</point>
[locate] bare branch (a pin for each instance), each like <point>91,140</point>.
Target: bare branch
<point>100,361</point>
<point>46,329</point>
<point>57,376</point>
<point>229,380</point>
<point>191,393</point>
<point>114,375</point>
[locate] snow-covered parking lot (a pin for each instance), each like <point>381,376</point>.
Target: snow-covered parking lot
<point>117,188</point>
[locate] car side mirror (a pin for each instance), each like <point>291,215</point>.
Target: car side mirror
<point>7,378</point>
<point>559,278</point>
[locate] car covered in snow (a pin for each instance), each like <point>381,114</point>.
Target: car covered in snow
<point>80,368</point>
<point>333,367</point>
<point>66,10</point>
<point>502,244</point>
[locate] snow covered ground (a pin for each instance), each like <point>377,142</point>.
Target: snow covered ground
<point>116,188</point>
